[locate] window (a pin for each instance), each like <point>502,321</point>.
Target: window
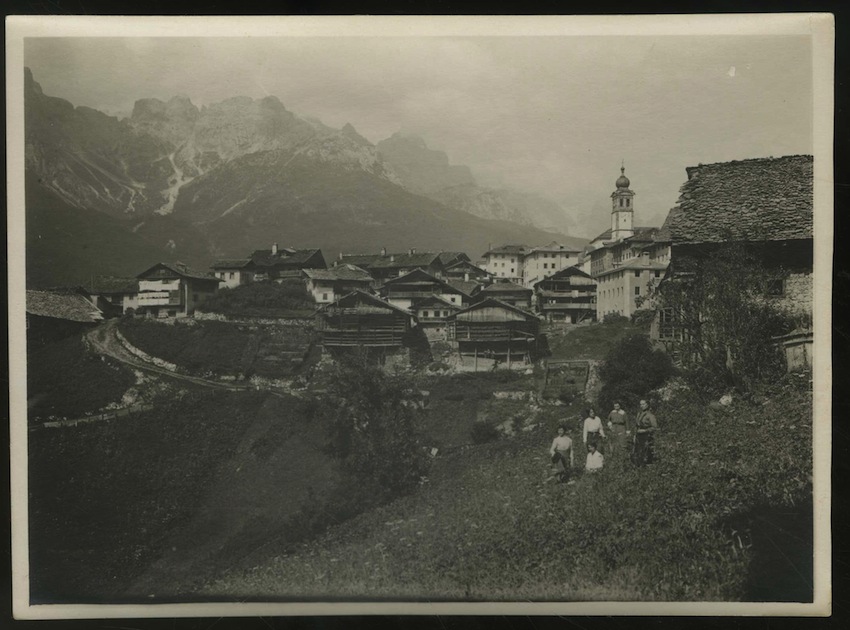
<point>657,274</point>
<point>621,202</point>
<point>637,290</point>
<point>324,297</point>
<point>512,259</point>
<point>512,269</point>
<point>627,203</point>
<point>637,274</point>
<point>424,313</point>
<point>545,265</point>
<point>232,275</point>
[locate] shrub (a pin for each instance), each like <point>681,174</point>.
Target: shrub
<point>263,299</point>
<point>372,429</point>
<point>630,370</point>
<point>482,432</point>
<point>615,318</point>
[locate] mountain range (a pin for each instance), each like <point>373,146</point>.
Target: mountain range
<point>175,181</point>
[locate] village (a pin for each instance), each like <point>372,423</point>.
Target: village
<point>487,313</point>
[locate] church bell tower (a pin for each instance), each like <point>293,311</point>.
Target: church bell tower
<point>622,208</point>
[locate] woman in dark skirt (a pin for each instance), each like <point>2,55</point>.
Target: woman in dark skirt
<point>645,427</point>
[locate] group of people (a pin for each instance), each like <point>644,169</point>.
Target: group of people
<point>615,441</point>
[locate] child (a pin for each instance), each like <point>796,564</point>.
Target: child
<point>595,459</point>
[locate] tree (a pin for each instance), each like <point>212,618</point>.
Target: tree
<point>374,429</point>
<point>631,369</point>
<point>724,319</point>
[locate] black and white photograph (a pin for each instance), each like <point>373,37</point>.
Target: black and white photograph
<point>452,314</point>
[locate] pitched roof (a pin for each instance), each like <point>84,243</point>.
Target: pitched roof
<point>467,288</point>
<point>565,273</point>
<point>359,260</point>
<point>359,297</point>
<point>520,250</point>
<point>265,257</point>
<point>435,299</point>
<point>452,257</point>
<point>111,284</point>
<point>62,305</point>
<point>416,259</point>
<point>491,301</point>
<point>762,199</point>
<point>635,263</point>
<point>340,272</point>
<point>181,270</point>
<point>606,235</point>
<point>231,263</point>
<point>554,246</point>
<point>504,287</point>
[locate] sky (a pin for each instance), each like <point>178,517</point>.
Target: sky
<point>554,115</point>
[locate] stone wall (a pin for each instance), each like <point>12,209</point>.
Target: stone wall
<point>798,296</point>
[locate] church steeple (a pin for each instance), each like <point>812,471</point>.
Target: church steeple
<point>622,208</point>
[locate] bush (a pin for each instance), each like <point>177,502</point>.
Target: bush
<point>482,433</point>
<point>263,299</point>
<point>631,369</point>
<point>373,429</point>
<point>615,318</point>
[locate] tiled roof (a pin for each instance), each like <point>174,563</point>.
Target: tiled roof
<point>66,305</point>
<point>452,257</point>
<point>464,264</point>
<point>231,263</point>
<point>111,284</point>
<point>435,299</point>
<point>564,273</point>
<point>362,301</point>
<point>359,260</point>
<point>763,199</point>
<point>340,272</point>
<point>554,246</point>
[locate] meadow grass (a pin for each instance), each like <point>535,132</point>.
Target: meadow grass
<point>490,523</point>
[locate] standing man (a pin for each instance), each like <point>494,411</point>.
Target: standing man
<point>618,426</point>
<point>645,427</point>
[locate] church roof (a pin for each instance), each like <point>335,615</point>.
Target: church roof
<point>762,199</point>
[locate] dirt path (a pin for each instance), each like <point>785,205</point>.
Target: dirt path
<point>104,340</point>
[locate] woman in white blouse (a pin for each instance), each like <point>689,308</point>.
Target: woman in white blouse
<point>592,429</point>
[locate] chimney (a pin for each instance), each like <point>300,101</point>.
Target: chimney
<point>340,255</point>
<point>274,249</point>
<point>383,251</point>
<point>466,276</point>
<point>392,257</point>
<point>411,251</point>
<point>644,258</point>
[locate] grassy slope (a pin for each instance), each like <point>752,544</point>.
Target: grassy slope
<point>222,348</point>
<point>124,509</point>
<point>489,525</point>
<point>588,342</point>
<point>64,379</point>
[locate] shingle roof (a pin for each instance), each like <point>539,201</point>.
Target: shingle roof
<point>554,246</point>
<point>359,298</point>
<point>464,264</point>
<point>340,272</point>
<point>762,199</point>
<point>491,301</point>
<point>111,284</point>
<point>565,273</point>
<point>66,305</point>
<point>359,260</point>
<point>452,257</point>
<point>435,299</point>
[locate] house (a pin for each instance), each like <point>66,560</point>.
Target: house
<point>469,289</point>
<point>765,204</point>
<point>465,271</point>
<point>234,272</point>
<point>491,333</point>
<point>432,314</point>
<point>541,262</point>
<point>508,292</point>
<point>627,262</point>
<point>58,313</point>
<point>568,295</point>
<point>406,291</point>
<point>447,259</point>
<point>277,263</point>
<point>505,262</point>
<point>114,296</point>
<point>326,285</point>
<point>361,321</point>
<point>173,290</point>
<point>384,266</point>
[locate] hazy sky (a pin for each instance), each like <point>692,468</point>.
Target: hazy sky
<point>552,115</point>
